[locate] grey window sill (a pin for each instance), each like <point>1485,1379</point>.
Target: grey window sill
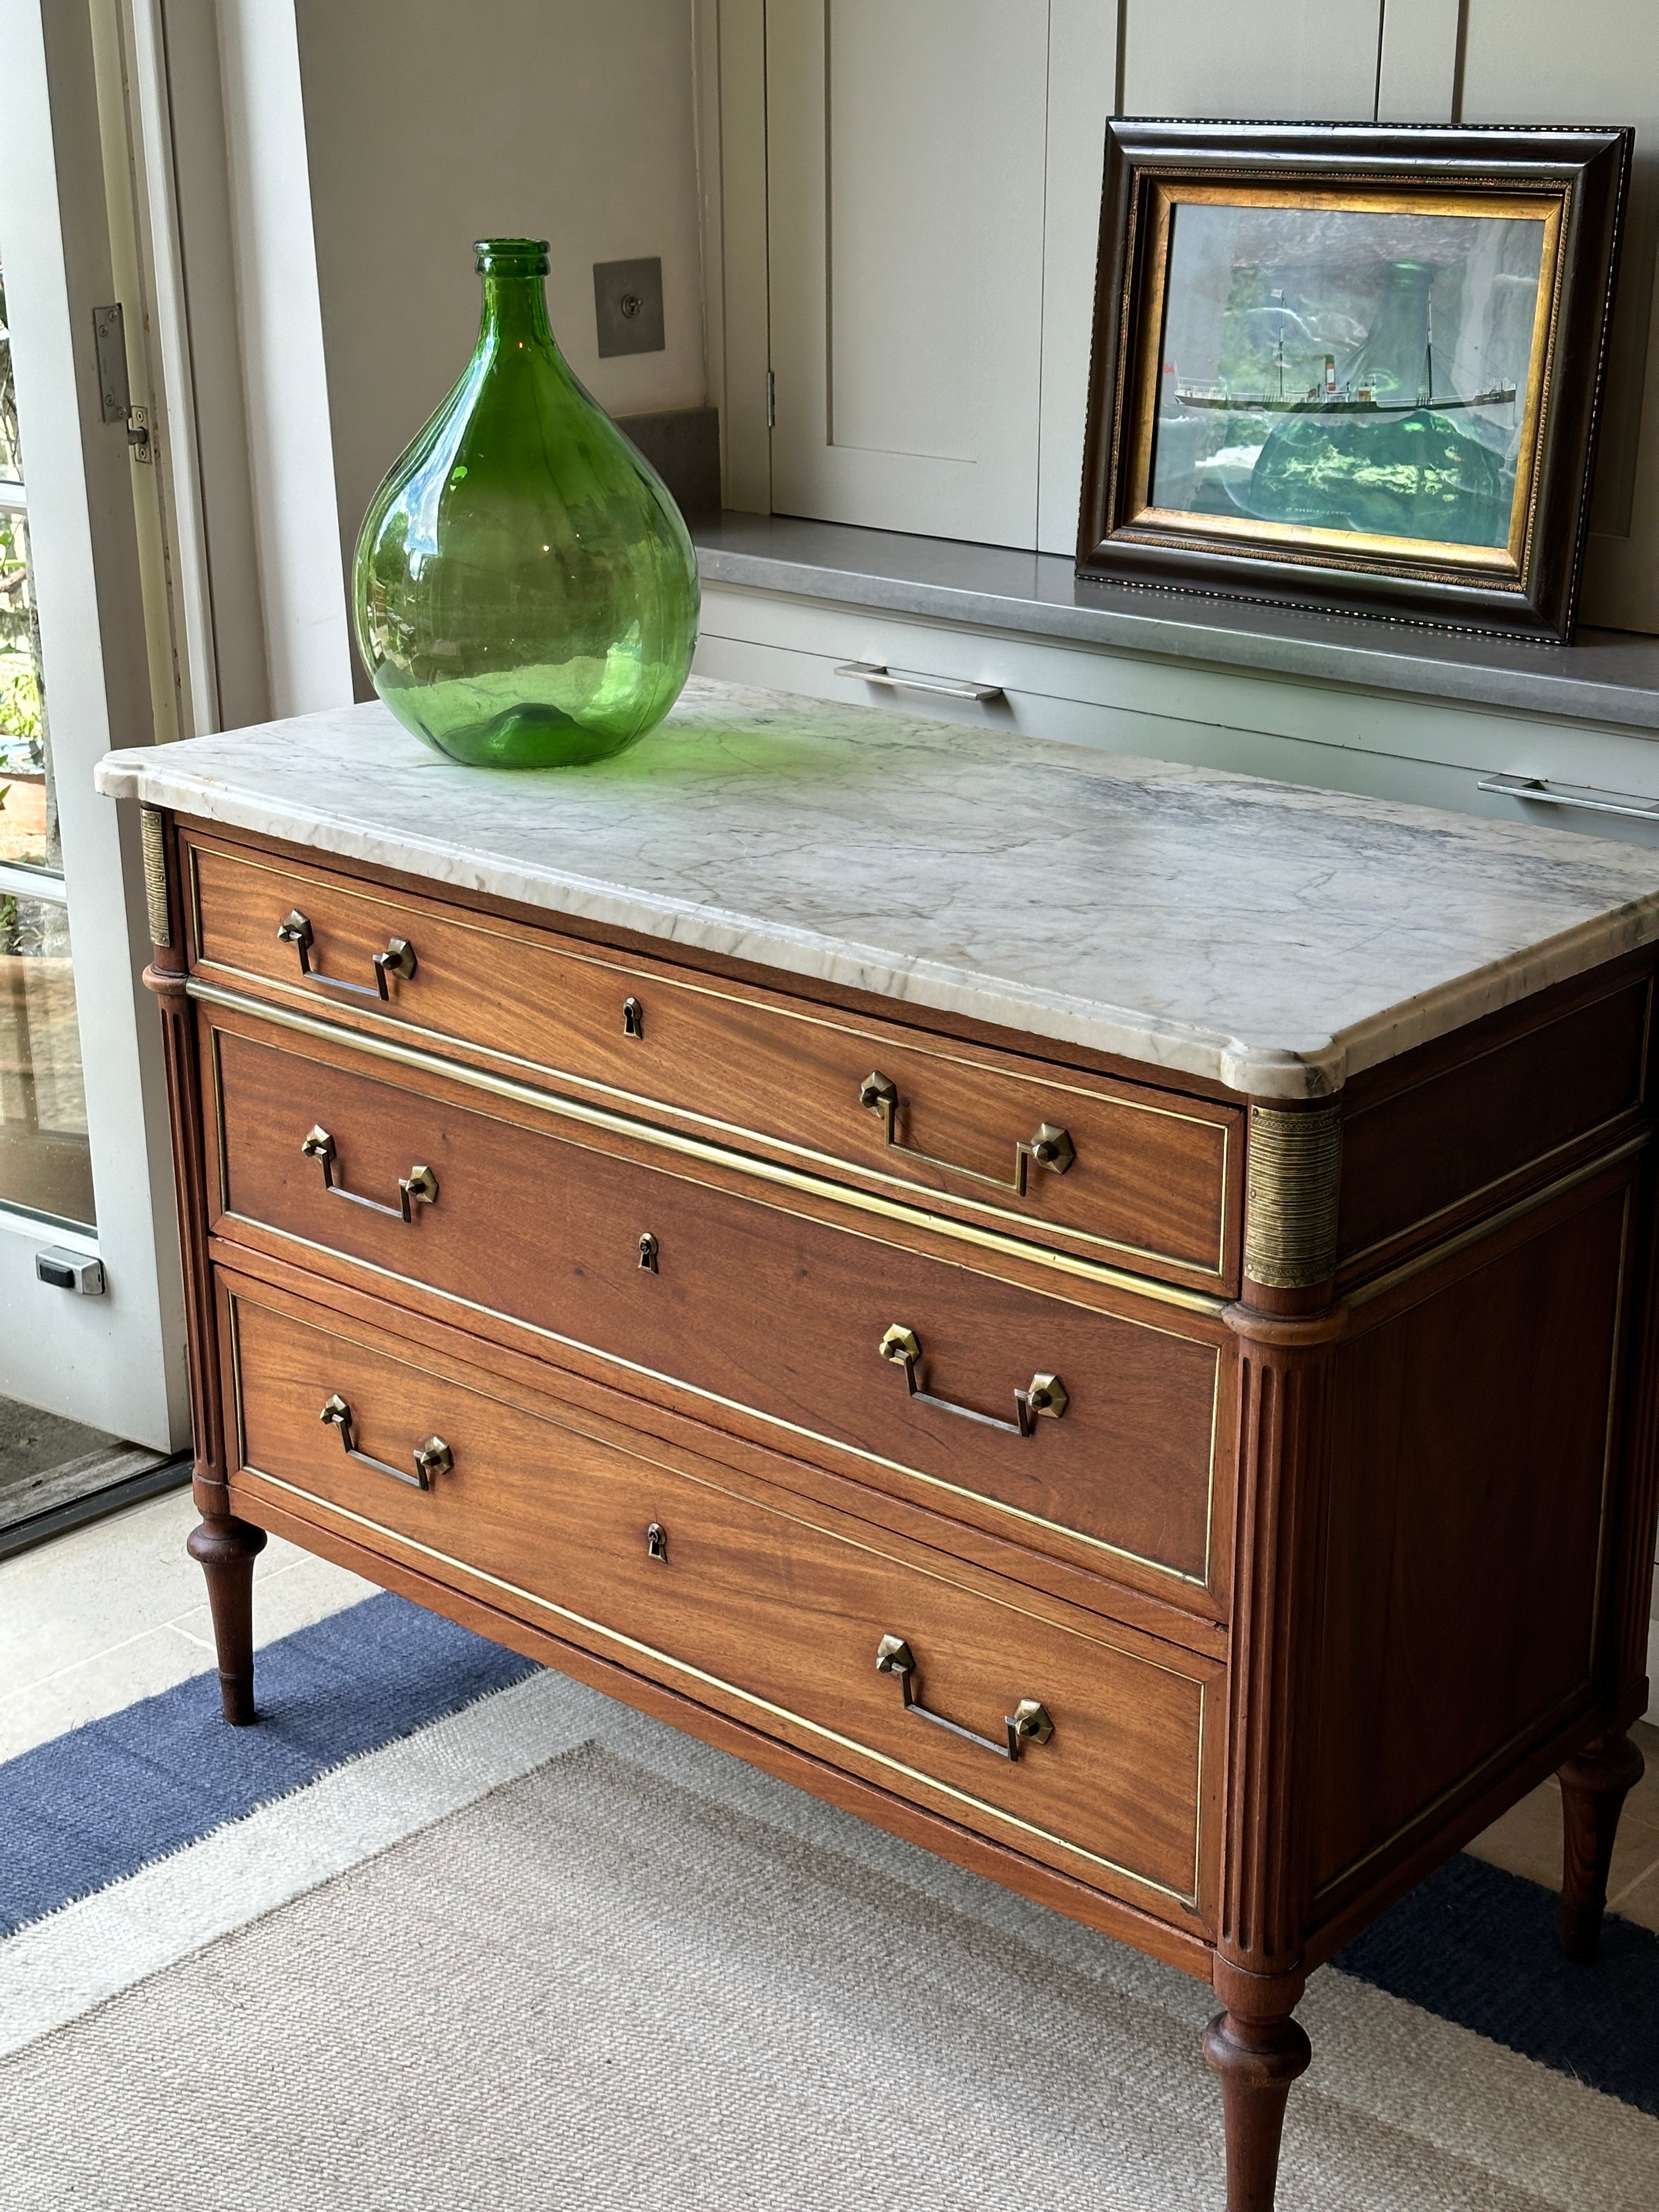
<point>1608,677</point>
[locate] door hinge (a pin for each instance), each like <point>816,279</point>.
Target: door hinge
<point>771,401</point>
<point>115,399</point>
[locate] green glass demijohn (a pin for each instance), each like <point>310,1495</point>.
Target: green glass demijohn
<point>525,588</point>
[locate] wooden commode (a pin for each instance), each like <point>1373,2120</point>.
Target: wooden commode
<point>1098,1314</point>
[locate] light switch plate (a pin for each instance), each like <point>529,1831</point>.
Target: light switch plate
<point>628,305</point>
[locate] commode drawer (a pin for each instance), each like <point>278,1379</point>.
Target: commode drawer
<point>1137,1177</point>
<point>1083,1746</point>
<point>1042,1418</point>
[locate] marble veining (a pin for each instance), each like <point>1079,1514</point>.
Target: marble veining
<point>1273,939</point>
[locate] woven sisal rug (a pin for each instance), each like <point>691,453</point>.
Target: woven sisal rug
<point>541,1953</point>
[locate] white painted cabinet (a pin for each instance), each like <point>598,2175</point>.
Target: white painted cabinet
<point>922,285</point>
<point>1533,61</point>
<point>905,152</point>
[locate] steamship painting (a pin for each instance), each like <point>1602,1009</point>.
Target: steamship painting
<point>1345,370</point>
<point>1329,397</point>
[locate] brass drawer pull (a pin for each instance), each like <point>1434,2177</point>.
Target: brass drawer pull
<point>433,1457</point>
<point>1051,1147</point>
<point>398,959</point>
<point>1028,1723</point>
<point>1044,1394</point>
<point>419,1184</point>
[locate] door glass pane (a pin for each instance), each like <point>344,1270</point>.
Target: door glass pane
<point>29,817</point>
<point>45,1165</point>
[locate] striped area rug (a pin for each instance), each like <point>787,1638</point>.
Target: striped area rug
<point>447,1931</point>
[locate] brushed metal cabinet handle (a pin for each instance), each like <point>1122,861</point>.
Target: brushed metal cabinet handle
<point>419,1186</point>
<point>431,1458</point>
<point>1044,1395</point>
<point>1028,1723</point>
<point>398,959</point>
<point>1051,1147</point>
<point>1539,789</point>
<point>870,672</point>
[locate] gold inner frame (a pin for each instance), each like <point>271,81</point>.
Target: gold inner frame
<point>1506,563</point>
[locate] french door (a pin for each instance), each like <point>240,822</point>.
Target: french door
<point>90,1305</point>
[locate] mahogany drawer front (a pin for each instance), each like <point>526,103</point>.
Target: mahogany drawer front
<point>750,1305</point>
<point>1138,1177</point>
<point>753,1606</point>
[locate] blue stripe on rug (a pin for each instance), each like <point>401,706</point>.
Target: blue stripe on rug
<point>1477,1946</point>
<point>92,1807</point>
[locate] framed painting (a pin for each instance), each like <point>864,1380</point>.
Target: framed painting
<point>1353,367</point>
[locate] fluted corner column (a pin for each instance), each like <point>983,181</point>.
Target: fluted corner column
<point>224,1546</point>
<point>1287,1323</point>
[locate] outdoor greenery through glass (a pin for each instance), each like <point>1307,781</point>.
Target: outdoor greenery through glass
<point>525,589</point>
<point>46,1166</point>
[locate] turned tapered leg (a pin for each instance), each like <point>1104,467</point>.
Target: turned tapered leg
<point>227,1551</point>
<point>1257,2061</point>
<point>1594,1788</point>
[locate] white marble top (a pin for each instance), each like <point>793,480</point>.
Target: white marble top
<point>1274,939</point>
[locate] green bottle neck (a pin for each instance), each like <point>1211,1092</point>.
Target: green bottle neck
<point>514,313</point>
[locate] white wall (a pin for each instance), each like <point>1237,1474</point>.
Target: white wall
<point>427,126</point>
<point>289,447</point>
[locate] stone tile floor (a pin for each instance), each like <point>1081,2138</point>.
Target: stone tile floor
<point>1527,1839</point>
<point>116,1611</point>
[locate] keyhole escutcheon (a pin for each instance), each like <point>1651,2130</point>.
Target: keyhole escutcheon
<point>656,1542</point>
<point>647,1250</point>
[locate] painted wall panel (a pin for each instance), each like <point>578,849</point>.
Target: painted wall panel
<point>1082,90</point>
<point>905,146</point>
<point>290,451</point>
<point>1417,69</point>
<point>1533,61</point>
<point>1288,60</point>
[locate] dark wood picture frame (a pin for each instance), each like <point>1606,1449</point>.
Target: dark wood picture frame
<point>1529,589</point>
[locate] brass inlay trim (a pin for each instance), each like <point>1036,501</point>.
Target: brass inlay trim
<point>569,1418</point>
<point>1529,1166</point>
<point>699,1676</point>
<point>151,826</point>
<point>1615,1370</point>
<point>816,1435</point>
<point>1351,1261</point>
<point>1292,1176</point>
<point>847,1025</point>
<point>1478,1231</point>
<point>698,1148</point>
<point>1201,1682</point>
<point>1424,1814</point>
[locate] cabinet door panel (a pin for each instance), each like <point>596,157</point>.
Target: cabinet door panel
<point>1527,61</point>
<point>905,157</point>
<point>1277,60</point>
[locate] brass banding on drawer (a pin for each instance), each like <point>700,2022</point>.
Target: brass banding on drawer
<point>1128,1411</point>
<point>760,1607</point>
<point>1104,1167</point>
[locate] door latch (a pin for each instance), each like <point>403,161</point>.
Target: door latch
<point>115,395</point>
